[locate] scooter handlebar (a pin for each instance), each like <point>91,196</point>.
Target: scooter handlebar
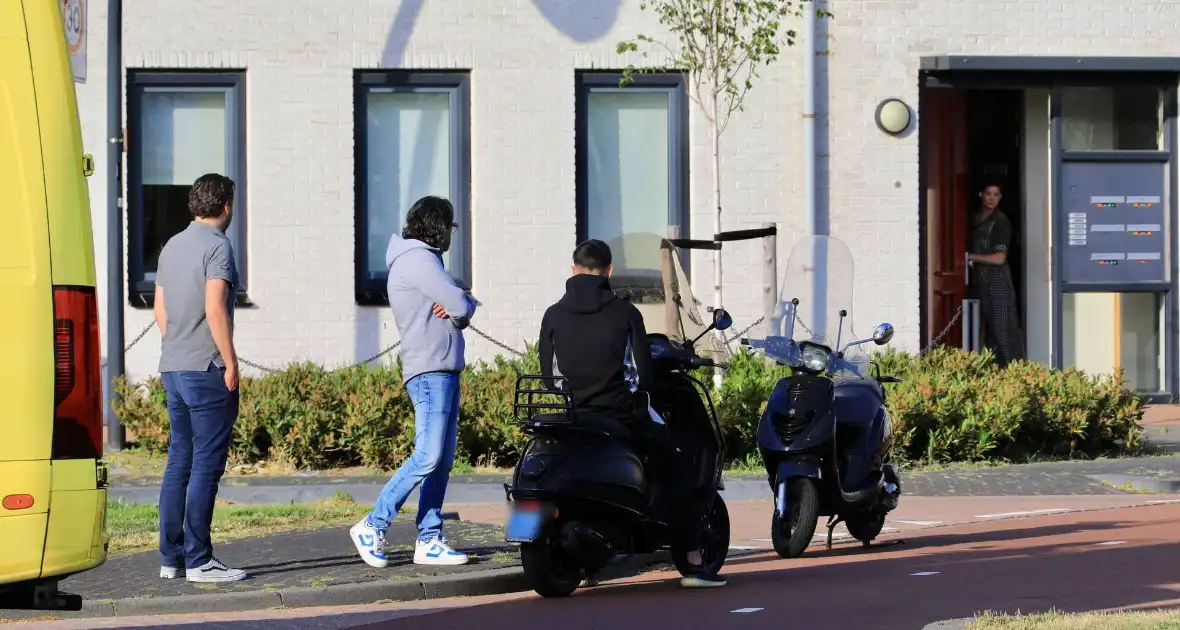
<point>703,362</point>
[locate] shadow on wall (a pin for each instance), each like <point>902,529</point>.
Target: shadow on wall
<point>580,20</point>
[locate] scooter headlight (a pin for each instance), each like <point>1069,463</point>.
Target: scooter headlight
<point>815,358</point>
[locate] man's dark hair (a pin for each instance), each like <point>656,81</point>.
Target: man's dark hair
<point>429,220</point>
<point>592,255</point>
<point>209,194</point>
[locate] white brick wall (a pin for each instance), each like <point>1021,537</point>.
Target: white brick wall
<point>300,54</point>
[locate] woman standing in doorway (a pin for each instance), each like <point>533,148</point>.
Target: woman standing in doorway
<point>991,277</point>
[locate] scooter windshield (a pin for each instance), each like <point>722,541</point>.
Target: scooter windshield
<point>648,273</point>
<point>814,313</point>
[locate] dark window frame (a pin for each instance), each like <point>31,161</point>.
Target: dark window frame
<point>372,291</point>
<point>679,168</point>
<point>140,290</point>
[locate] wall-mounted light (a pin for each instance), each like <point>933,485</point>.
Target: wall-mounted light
<point>893,116</point>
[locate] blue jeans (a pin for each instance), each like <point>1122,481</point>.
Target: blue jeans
<point>436,426</point>
<point>202,414</point>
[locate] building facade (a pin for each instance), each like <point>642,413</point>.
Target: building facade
<point>334,115</point>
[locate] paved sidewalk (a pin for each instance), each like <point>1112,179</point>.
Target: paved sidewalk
<point>294,569</point>
<point>1162,423</point>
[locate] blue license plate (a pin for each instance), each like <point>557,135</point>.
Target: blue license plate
<point>523,526</point>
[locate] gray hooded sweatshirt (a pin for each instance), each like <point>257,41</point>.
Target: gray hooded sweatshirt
<point>417,281</point>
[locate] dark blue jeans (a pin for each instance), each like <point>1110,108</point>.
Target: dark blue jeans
<point>202,414</point>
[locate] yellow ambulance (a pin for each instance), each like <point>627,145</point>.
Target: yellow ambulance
<point>52,478</point>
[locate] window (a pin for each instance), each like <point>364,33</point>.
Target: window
<point>1124,118</point>
<point>632,156</point>
<point>181,125</point>
<point>412,140</point>
<point>1102,332</point>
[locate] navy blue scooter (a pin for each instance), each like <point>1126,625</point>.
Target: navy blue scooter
<point>826,436</point>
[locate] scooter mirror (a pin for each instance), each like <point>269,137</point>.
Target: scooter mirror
<point>883,334</point>
<point>722,320</point>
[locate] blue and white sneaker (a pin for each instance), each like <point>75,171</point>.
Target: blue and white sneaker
<point>370,543</point>
<point>437,552</point>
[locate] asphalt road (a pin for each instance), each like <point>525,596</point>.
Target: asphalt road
<point>1074,562</point>
<point>1012,557</point>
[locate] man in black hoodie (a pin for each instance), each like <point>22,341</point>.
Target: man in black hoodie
<point>597,344</point>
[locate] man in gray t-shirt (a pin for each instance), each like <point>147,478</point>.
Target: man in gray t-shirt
<point>196,285</point>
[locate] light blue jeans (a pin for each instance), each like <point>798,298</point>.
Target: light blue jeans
<point>436,427</point>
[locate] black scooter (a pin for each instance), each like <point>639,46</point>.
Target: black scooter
<point>581,494</point>
<point>826,443</point>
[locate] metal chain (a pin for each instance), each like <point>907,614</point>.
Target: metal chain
<point>937,340</point>
<point>943,334</point>
<point>140,336</point>
<point>391,348</point>
<point>743,333</point>
<point>261,367</point>
<point>143,333</point>
<point>271,370</point>
<point>493,341</point>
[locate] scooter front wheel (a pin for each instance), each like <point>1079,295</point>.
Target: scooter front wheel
<point>545,572</point>
<point>792,532</point>
<point>715,542</point>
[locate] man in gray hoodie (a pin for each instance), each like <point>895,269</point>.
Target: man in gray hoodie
<point>430,311</point>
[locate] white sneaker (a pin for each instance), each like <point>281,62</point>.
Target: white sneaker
<point>370,543</point>
<point>169,573</point>
<point>437,552</point>
<point>214,571</point>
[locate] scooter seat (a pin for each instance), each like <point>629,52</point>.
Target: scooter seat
<point>584,423</point>
<point>857,401</point>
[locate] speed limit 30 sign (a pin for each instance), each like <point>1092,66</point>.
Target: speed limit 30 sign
<point>73,14</point>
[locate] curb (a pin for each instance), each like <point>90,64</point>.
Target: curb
<point>471,584</point>
<point>948,624</point>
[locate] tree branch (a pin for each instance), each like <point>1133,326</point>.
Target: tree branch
<point>721,46</point>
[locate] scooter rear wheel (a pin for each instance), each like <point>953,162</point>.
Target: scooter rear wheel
<point>792,533</point>
<point>545,572</point>
<point>865,526</point>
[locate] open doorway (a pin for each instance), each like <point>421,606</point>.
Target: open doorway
<point>995,119</point>
<point>968,137</point>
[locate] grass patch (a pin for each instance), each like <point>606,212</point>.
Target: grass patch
<point>1054,620</point>
<point>502,557</point>
<point>135,527</point>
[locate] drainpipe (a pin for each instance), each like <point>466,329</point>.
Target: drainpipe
<point>815,312</point>
<point>809,181</point>
<point>116,437</point>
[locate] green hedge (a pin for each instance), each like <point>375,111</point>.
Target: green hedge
<point>950,406</point>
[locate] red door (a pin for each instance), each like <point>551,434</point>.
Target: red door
<point>948,182</point>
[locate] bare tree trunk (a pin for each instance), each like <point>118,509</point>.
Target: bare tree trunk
<point>716,138</point>
<point>715,132</point>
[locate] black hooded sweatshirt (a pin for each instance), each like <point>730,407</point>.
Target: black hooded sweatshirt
<point>597,344</point>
